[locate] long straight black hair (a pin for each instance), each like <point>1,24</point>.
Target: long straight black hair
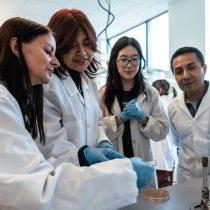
<point>114,86</point>
<point>15,74</point>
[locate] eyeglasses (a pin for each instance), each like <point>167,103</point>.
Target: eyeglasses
<point>123,62</point>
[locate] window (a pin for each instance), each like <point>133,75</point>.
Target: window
<point>207,34</point>
<point>153,36</point>
<point>139,33</point>
<point>158,42</point>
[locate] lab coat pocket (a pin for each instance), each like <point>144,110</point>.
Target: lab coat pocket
<point>75,132</point>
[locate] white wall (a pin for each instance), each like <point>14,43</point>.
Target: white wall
<point>186,24</point>
<point>207,40</point>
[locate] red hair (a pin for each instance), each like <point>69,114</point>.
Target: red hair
<point>66,24</point>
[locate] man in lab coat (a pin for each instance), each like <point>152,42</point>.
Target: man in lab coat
<point>189,112</point>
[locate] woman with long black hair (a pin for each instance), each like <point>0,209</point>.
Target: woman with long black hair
<point>131,108</point>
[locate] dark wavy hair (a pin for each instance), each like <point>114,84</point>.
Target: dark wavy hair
<point>114,86</point>
<point>14,72</point>
<point>162,83</point>
<point>66,24</point>
<point>165,85</point>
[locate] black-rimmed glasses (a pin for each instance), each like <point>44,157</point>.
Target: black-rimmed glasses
<point>123,62</point>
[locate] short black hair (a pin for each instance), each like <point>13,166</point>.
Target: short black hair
<point>185,50</point>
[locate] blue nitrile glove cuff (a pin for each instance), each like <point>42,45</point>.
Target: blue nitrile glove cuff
<point>144,171</point>
<point>140,114</point>
<point>89,155</point>
<point>105,144</point>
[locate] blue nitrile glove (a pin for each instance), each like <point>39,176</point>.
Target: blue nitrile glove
<point>135,110</point>
<point>105,144</point>
<point>145,172</point>
<point>125,114</point>
<point>97,155</point>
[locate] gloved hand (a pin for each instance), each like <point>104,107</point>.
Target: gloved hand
<point>145,172</point>
<point>96,155</point>
<point>105,144</point>
<point>134,109</point>
<point>124,115</point>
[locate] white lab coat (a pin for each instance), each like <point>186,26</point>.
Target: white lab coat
<point>70,120</point>
<point>191,135</point>
<point>156,128</point>
<point>28,181</point>
<point>164,152</point>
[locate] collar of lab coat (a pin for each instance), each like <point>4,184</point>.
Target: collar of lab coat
<point>71,87</point>
<point>203,106</point>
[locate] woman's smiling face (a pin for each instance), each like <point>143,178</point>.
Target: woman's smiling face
<point>40,59</point>
<point>128,62</point>
<point>80,55</point>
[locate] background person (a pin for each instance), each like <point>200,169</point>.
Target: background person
<point>164,152</point>
<point>164,89</point>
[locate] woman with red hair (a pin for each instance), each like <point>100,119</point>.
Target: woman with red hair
<point>74,130</point>
<point>74,127</point>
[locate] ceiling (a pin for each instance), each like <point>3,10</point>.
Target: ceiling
<point>128,13</point>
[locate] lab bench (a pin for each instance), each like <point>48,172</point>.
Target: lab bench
<point>182,196</point>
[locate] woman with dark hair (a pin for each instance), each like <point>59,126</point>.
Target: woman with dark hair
<point>71,112</point>
<point>131,108</point>
<point>27,180</point>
